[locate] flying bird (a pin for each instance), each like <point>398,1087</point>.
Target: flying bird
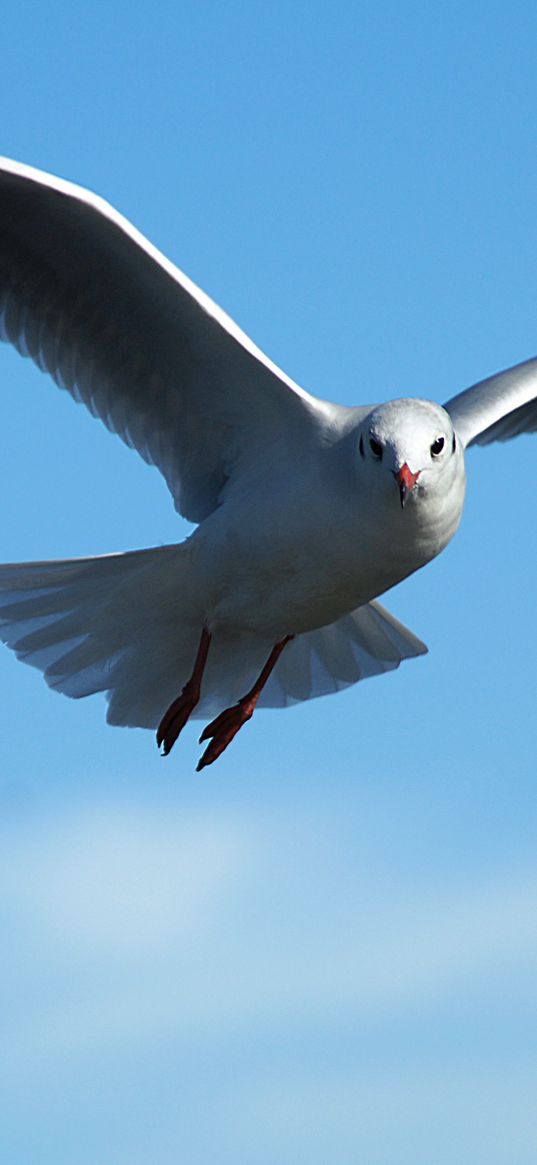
<point>305,511</point>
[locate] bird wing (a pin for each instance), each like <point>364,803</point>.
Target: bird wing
<point>498,408</point>
<point>94,304</point>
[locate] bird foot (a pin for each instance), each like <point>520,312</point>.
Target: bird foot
<point>222,730</point>
<point>175,718</point>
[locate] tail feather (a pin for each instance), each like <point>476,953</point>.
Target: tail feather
<point>75,620</point>
<point>367,642</point>
<point>128,625</point>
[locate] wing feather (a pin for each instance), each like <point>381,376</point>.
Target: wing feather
<point>498,408</point>
<point>95,305</point>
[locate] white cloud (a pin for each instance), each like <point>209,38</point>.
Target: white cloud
<point>131,925</point>
<point>119,881</point>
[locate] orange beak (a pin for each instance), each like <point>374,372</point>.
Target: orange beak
<point>406,482</point>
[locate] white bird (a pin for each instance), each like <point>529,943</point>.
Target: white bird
<point>306,511</point>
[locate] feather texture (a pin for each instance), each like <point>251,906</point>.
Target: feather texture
<point>128,625</point>
<point>498,408</point>
<point>95,305</point>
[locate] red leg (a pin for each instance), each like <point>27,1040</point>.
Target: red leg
<point>175,718</point>
<point>222,730</point>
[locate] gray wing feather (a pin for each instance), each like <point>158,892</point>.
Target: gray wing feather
<point>95,305</point>
<point>498,408</point>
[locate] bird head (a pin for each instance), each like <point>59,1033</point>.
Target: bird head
<point>411,450</point>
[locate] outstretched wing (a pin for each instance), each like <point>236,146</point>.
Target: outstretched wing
<point>124,331</point>
<point>498,408</point>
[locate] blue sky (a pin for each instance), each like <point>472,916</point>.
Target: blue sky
<point>325,947</point>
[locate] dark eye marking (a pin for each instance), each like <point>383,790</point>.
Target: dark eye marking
<point>361,445</point>
<point>437,446</point>
<point>454,444</point>
<point>375,447</point>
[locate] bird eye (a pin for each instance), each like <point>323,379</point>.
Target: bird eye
<point>375,447</point>
<point>437,446</point>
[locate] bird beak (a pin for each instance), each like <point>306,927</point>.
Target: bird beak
<point>406,482</point>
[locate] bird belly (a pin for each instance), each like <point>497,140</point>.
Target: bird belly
<point>293,567</point>
<point>273,591</point>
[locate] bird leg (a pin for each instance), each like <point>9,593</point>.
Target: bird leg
<point>224,727</point>
<point>175,718</point>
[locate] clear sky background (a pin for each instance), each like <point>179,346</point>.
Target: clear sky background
<point>324,948</point>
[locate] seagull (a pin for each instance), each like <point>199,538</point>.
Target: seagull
<point>305,511</point>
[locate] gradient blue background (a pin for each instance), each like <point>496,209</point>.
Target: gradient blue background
<point>323,949</point>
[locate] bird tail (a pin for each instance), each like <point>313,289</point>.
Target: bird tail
<point>367,642</point>
<point>124,624</point>
<point>129,625</point>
